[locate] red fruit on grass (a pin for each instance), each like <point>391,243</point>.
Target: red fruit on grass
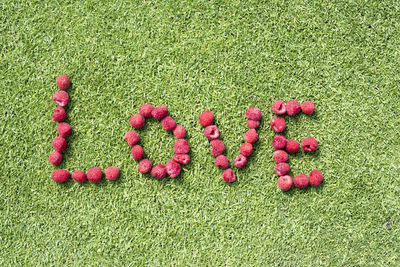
<point>292,146</point>
<point>112,173</point>
<point>59,144</point>
<point>173,168</point>
<point>79,176</point>
<point>222,161</point>
<point>160,112</point>
<point>218,147</point>
<point>309,144</point>
<point>61,98</point>
<point>253,113</point>
<point>301,181</point>
<point>280,156</point>
<point>278,124</point>
<point>137,121</point>
<point>293,107</point>
<point>94,175</point>
<point>211,132</point>
<point>145,110</point>
<point>285,182</point>
<point>63,82</point>
<point>229,176</point>
<point>206,118</point>
<point>251,136</point>
<point>55,158</point>
<point>179,132</point>
<point>59,114</point>
<point>64,129</point>
<point>60,176</point>
<point>240,161</point>
<point>282,169</point>
<point>168,123</point>
<point>159,171</point>
<point>308,107</point>
<point>253,124</point>
<point>181,146</point>
<point>181,158</point>
<point>145,166</point>
<point>279,107</point>
<point>137,152</point>
<point>246,149</point>
<point>132,138</point>
<point>279,142</point>
<point>316,177</point>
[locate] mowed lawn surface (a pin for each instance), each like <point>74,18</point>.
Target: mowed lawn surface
<point>193,56</point>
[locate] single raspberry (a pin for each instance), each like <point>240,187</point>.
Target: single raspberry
<point>137,152</point>
<point>145,166</point>
<point>94,175</point>
<point>55,158</point>
<point>279,107</point>
<point>173,168</point>
<point>79,176</point>
<point>222,161</point>
<point>159,171</point>
<point>179,132</point>
<point>160,112</point>
<point>59,144</point>
<point>181,158</point>
<point>309,144</point>
<point>282,168</point>
<point>253,113</point>
<point>246,149</point>
<point>206,118</point>
<point>240,161</point>
<point>253,124</point>
<point>61,98</point>
<point>279,142</point>
<point>137,121</point>
<point>132,138</point>
<point>285,182</point>
<point>308,107</point>
<point>112,173</point>
<point>229,176</point>
<point>218,147</point>
<point>293,107</point>
<point>251,136</point>
<point>145,110</point>
<point>280,156</point>
<point>301,181</point>
<point>63,82</point>
<point>59,114</point>
<point>278,124</point>
<point>211,132</point>
<point>316,177</point>
<point>168,123</point>
<point>60,176</point>
<point>292,146</point>
<point>181,146</point>
<point>64,129</point>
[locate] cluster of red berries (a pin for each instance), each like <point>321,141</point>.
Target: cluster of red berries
<point>94,175</point>
<point>280,144</point>
<point>253,115</point>
<point>181,146</point>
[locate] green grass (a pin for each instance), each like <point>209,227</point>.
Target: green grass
<point>192,56</point>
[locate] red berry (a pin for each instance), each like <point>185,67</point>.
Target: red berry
<point>59,144</point>
<point>308,107</point>
<point>251,136</point>
<point>309,144</point>
<point>253,113</point>
<point>145,110</point>
<point>278,124</point>
<point>160,112</point>
<point>181,146</point>
<point>240,161</point>
<point>282,168</point>
<point>94,175</point>
<point>222,161</point>
<point>132,138</point>
<point>55,158</point>
<point>218,147</point>
<point>61,98</point>
<point>211,132</point>
<point>246,149</point>
<point>316,178</point>
<point>279,142</point>
<point>279,107</point>
<point>293,107</point>
<point>253,124</point>
<point>112,173</point>
<point>229,176</point>
<point>60,176</point>
<point>280,156</point>
<point>63,82</point>
<point>137,152</point>
<point>301,181</point>
<point>285,182</point>
<point>137,121</point>
<point>59,114</point>
<point>181,158</point>
<point>292,146</point>
<point>144,166</point>
<point>206,118</point>
<point>168,123</point>
<point>173,168</point>
<point>159,171</point>
<point>179,132</point>
<point>64,129</point>
<point>79,176</point>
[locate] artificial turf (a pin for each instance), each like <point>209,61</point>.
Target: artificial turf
<point>193,56</point>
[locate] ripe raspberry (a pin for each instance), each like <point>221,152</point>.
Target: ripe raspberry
<point>309,144</point>
<point>222,161</point>
<point>240,161</point>
<point>173,168</point>
<point>279,107</point>
<point>144,166</point>
<point>280,156</point>
<point>308,107</point>
<point>229,176</point>
<point>253,113</point>
<point>160,112</point>
<point>301,181</point>
<point>218,147</point>
<point>61,98</point>
<point>137,121</point>
<point>278,124</point>
<point>168,123</point>
<point>179,132</point>
<point>206,118</point>
<point>292,146</point>
<point>132,138</point>
<point>246,149</point>
<point>181,158</point>
<point>60,176</point>
<point>145,110</point>
<point>211,132</point>
<point>64,129</point>
<point>79,176</point>
<point>285,182</point>
<point>94,175</point>
<point>282,168</point>
<point>55,158</point>
<point>159,171</point>
<point>59,114</point>
<point>251,136</point>
<point>63,82</point>
<point>181,146</point>
<point>293,107</point>
<point>59,144</point>
<point>279,142</point>
<point>112,173</point>
<point>316,177</point>
<point>253,124</point>
<point>137,152</point>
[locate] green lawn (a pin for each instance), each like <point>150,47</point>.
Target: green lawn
<point>193,56</point>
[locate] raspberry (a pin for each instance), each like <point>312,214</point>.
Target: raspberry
<point>251,136</point>
<point>316,177</point>
<point>282,168</point>
<point>253,124</point>
<point>144,166</point>
<point>132,138</point>
<point>59,114</point>
<point>160,112</point>
<point>179,132</point>
<point>222,161</point>
<point>278,124</point>
<point>94,175</point>
<point>285,182</point>
<point>55,158</point>
<point>211,132</point>
<point>59,144</point>
<point>168,123</point>
<point>240,161</point>
<point>145,110</point>
<point>218,147</point>
<point>279,107</point>
<point>60,176</point>
<point>308,107</point>
<point>229,176</point>
<point>309,144</point>
<point>63,82</point>
<point>279,142</point>
<point>301,181</point>
<point>79,176</point>
<point>253,113</point>
<point>173,168</point>
<point>137,121</point>
<point>112,173</point>
<point>206,118</point>
<point>181,158</point>
<point>159,171</point>
<point>64,129</point>
<point>61,98</point>
<point>293,107</point>
<point>137,152</point>
<point>181,146</point>
<point>292,146</point>
<point>280,156</point>
<point>246,149</point>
